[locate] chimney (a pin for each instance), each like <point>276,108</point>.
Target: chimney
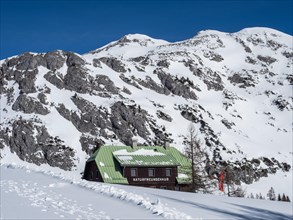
<point>134,142</point>
<point>166,144</point>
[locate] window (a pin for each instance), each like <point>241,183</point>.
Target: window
<point>91,175</point>
<point>133,172</point>
<point>151,172</point>
<point>168,172</point>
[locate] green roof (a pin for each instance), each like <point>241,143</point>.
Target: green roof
<point>109,160</point>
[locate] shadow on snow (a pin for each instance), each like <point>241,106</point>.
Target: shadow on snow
<point>245,212</point>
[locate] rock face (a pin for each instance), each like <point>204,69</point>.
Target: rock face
<point>152,90</point>
<point>29,105</point>
<point>34,144</point>
<point>114,64</point>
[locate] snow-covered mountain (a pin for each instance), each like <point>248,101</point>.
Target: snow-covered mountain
<point>235,87</point>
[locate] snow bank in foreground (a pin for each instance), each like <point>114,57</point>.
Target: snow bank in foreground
<point>155,207</point>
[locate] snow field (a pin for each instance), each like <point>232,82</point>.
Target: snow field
<point>44,197</point>
<point>43,194</point>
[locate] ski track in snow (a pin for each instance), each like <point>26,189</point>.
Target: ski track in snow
<point>46,199</point>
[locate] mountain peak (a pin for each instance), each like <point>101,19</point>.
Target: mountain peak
<point>142,39</point>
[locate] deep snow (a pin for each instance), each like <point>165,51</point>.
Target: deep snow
<point>36,194</point>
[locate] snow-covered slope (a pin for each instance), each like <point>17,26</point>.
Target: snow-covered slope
<point>40,195</point>
<point>236,88</point>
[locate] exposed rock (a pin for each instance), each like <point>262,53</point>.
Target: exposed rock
<point>4,138</point>
<point>10,95</point>
<point>128,121</point>
<point>92,120</point>
<point>246,48</point>
<point>27,82</point>
<point>90,144</point>
<point>227,123</point>
<point>289,78</point>
<point>54,60</point>
<point>74,60</point>
<point>191,113</point>
<point>250,60</point>
<point>273,44</point>
<point>127,91</point>
<point>103,83</point>
<point>287,54</point>
<point>33,144</point>
<point>243,80</point>
<point>140,68</point>
<point>29,105</point>
<point>138,59</point>
<point>63,111</point>
<point>114,64</point>
<point>163,63</point>
<point>97,63</point>
<point>164,116</point>
<point>266,59</point>
<point>43,98</point>
<point>142,60</point>
<point>55,78</point>
<point>210,78</point>
<point>25,78</point>
<point>3,82</point>
<point>176,87</point>
<point>28,61</point>
<point>76,79</point>
<point>213,56</point>
<point>282,104</point>
<point>229,98</point>
<point>255,40</point>
<point>151,84</point>
<point>129,81</point>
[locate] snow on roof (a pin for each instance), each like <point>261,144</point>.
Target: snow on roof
<point>139,152</point>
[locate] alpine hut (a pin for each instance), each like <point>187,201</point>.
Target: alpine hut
<point>147,166</point>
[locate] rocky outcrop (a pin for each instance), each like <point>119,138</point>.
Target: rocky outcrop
<point>176,86</point>
<point>151,84</point>
<point>242,81</point>
<point>267,60</point>
<point>92,120</point>
<point>212,79</point>
<point>128,120</point>
<point>164,116</point>
<point>282,104</point>
<point>55,78</point>
<point>29,105</point>
<point>74,60</point>
<point>90,144</point>
<point>34,144</point>
<point>28,61</point>
<point>76,79</point>
<point>114,64</point>
<point>55,60</point>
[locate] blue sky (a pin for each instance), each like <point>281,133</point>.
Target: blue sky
<point>84,25</point>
